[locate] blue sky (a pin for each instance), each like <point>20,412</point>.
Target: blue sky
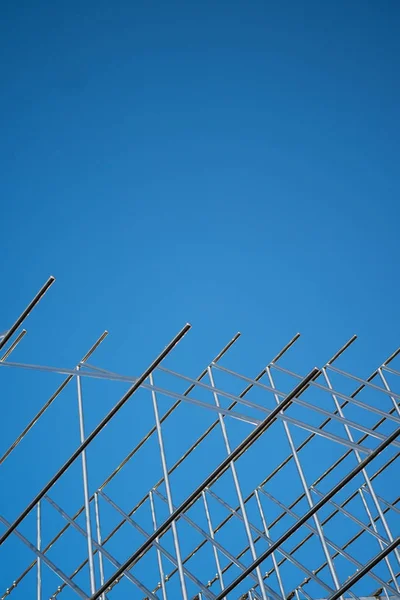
<point>228,164</point>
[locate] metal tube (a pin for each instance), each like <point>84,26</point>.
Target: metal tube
<point>159,557</point>
<point>39,547</point>
<point>357,469</point>
<point>168,491</point>
<point>85,487</point>
<point>95,432</point>
<point>266,531</point>
<point>98,533</point>
<point>242,447</point>
<point>13,345</point>
<point>212,536</point>
<point>26,312</point>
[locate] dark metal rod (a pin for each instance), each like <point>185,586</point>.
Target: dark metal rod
<point>96,431</point>
<point>357,469</point>
<point>13,345</point>
<point>242,447</point>
<point>26,312</point>
<point>370,565</point>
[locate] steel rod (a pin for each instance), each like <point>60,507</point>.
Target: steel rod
<point>159,555</point>
<point>13,345</point>
<point>168,491</point>
<point>26,312</point>
<point>85,487</point>
<point>39,547</point>
<point>99,542</point>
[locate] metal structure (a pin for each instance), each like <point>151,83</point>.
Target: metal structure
<point>275,486</point>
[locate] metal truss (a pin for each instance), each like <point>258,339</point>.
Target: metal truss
<point>277,486</point>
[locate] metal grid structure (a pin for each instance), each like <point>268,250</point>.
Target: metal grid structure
<point>274,486</point>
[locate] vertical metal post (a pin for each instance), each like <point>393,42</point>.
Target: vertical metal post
<point>306,491</point>
<point>381,545</point>
<point>98,533</point>
<point>168,491</point>
<point>159,557</point>
<point>86,487</point>
<point>212,535</point>
<point>266,531</point>
<point>238,490</point>
<point>39,547</point>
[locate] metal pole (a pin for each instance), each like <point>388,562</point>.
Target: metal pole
<point>85,487</point>
<point>13,345</point>
<point>39,547</point>
<point>159,557</point>
<point>212,536</point>
<point>274,561</point>
<point>168,491</point>
<point>95,432</point>
<point>26,312</point>
<point>98,533</point>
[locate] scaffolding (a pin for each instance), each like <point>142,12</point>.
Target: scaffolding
<point>223,485</point>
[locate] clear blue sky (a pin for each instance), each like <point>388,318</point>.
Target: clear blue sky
<point>228,164</point>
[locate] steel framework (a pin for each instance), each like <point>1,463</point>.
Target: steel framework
<point>274,486</point>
